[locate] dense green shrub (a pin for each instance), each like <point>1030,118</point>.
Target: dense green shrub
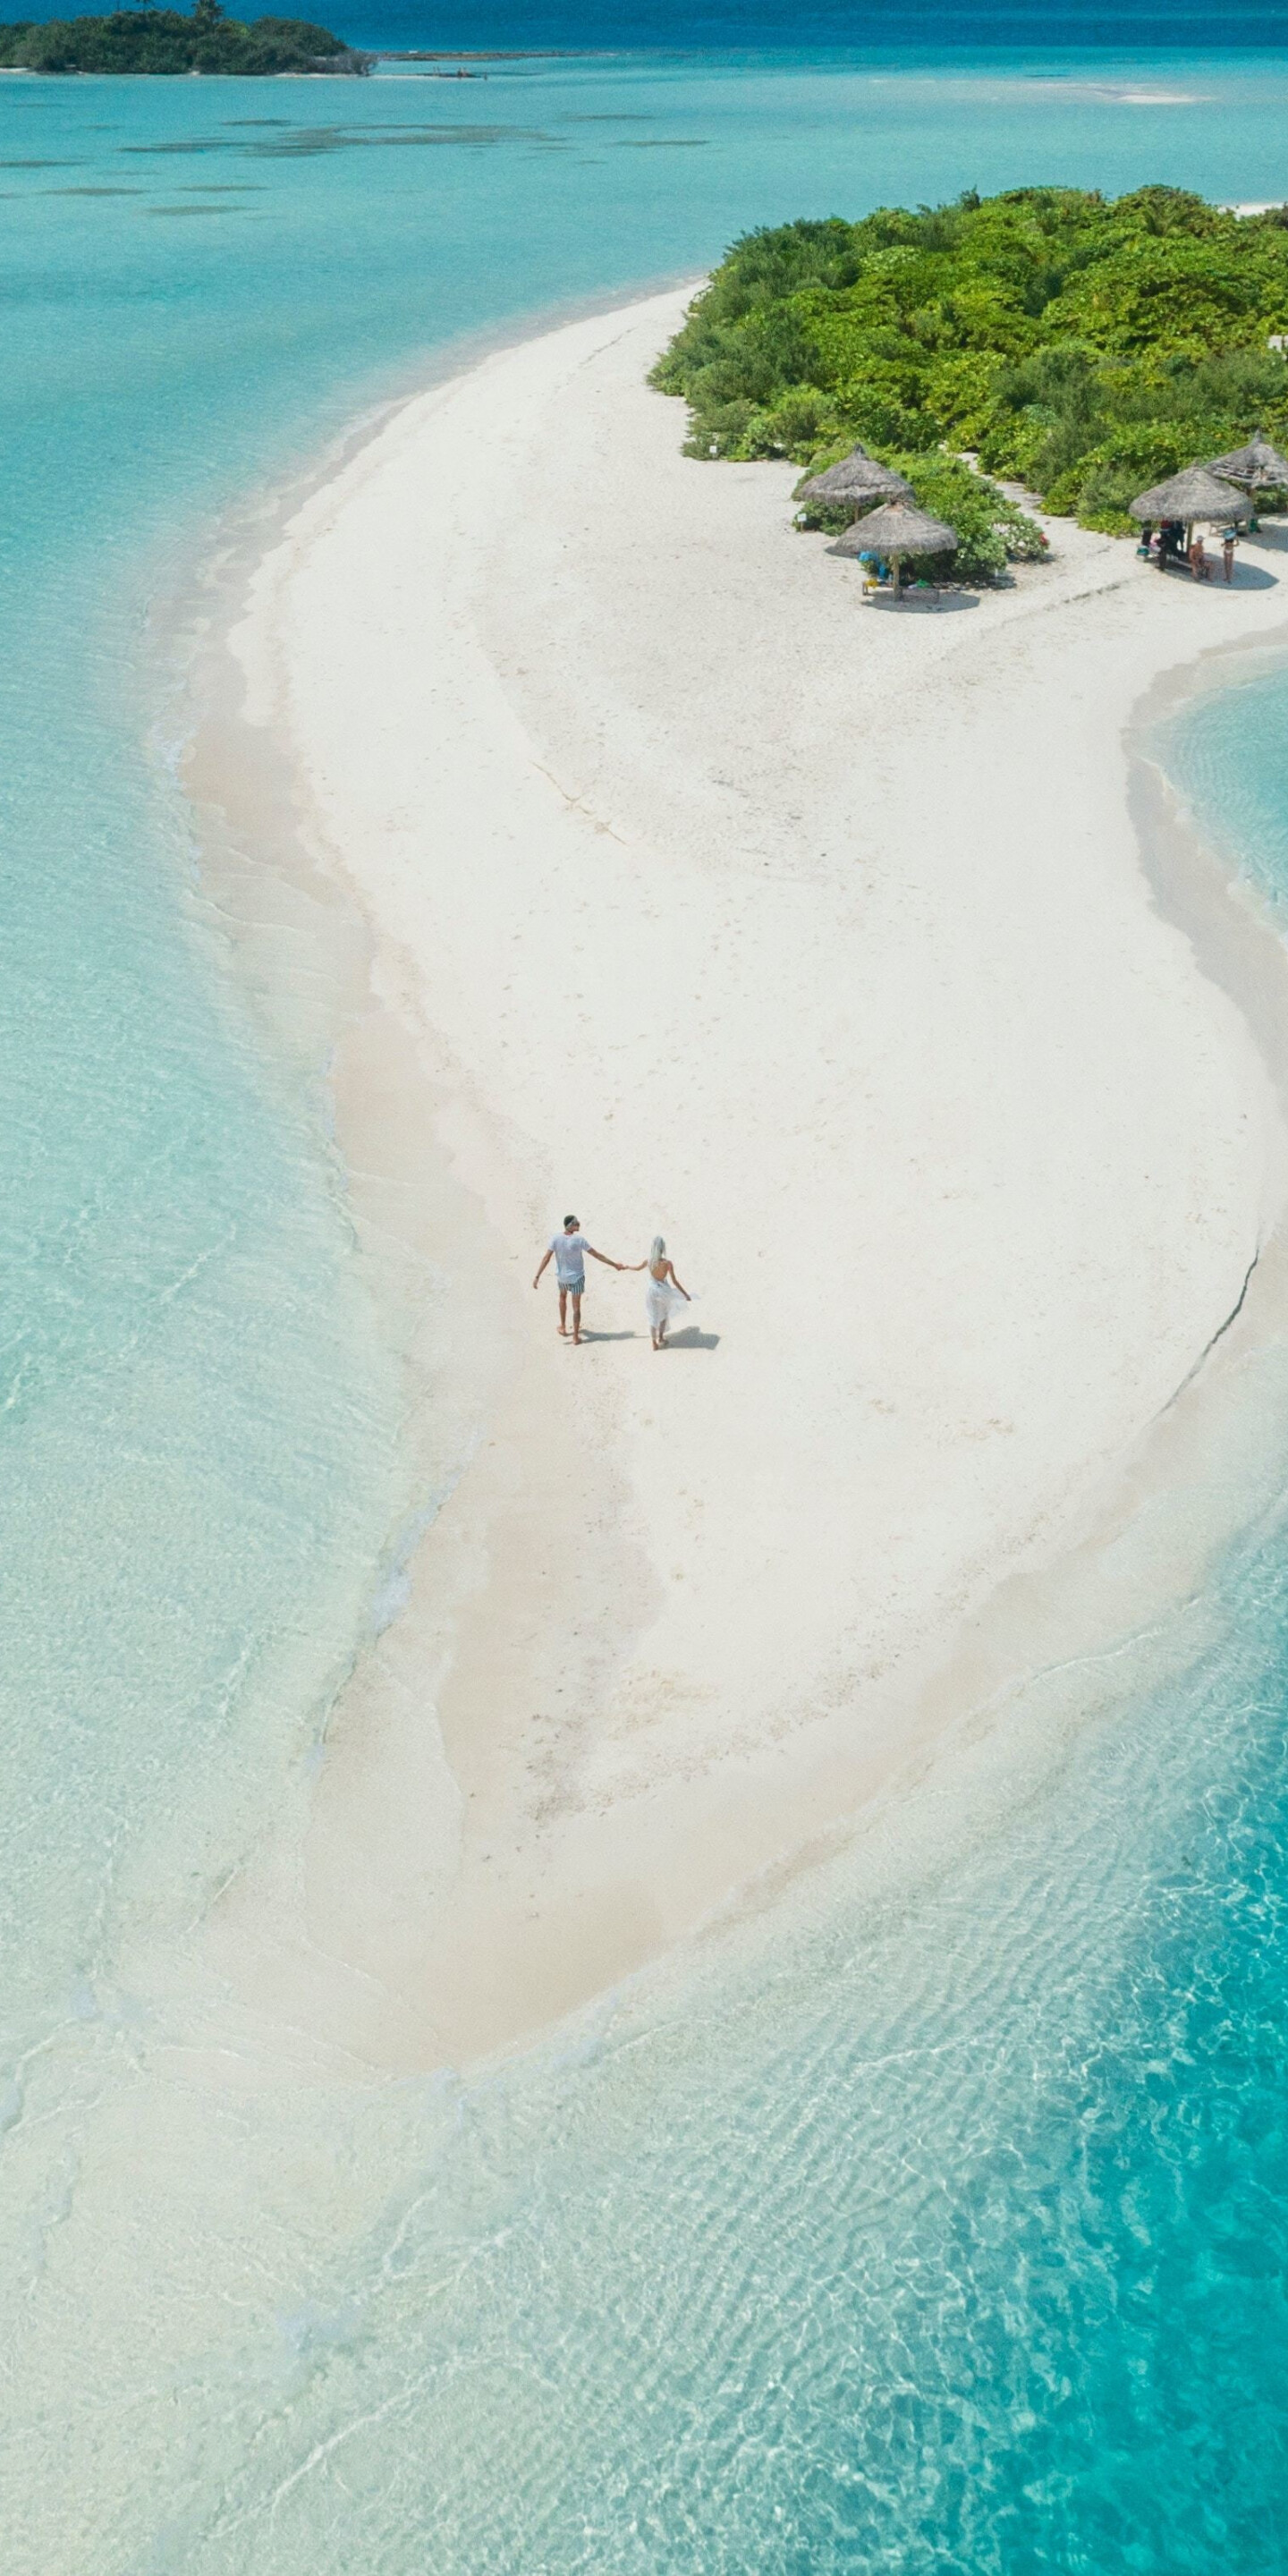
<point>1082,345</point>
<point>149,39</point>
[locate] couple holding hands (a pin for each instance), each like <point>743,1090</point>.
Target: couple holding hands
<point>568,1252</point>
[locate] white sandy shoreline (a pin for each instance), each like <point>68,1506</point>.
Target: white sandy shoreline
<point>704,900</point>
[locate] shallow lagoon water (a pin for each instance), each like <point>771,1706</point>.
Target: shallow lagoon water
<point>939,2231</point>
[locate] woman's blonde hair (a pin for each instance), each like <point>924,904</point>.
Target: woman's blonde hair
<point>659,1248</point>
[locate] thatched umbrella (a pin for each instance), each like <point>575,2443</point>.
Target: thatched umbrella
<point>859,479</point>
<point>896,531</point>
<point>1259,467</point>
<point>1195,493</point>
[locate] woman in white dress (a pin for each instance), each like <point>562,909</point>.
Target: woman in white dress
<point>663,1295</point>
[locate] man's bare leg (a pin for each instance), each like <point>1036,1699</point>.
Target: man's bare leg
<point>563,1310</point>
<point>576,1316</point>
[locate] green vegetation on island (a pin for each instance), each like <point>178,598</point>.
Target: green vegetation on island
<point>149,39</point>
<point>1085,346</point>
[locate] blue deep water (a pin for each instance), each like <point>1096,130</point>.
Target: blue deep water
<point>895,29</point>
<point>937,2228</point>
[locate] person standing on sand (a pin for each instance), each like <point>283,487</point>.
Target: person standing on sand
<point>663,1293</point>
<point>570,1249</point>
<point>1228,539</point>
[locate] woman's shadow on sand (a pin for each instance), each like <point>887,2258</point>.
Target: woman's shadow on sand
<point>690,1339</point>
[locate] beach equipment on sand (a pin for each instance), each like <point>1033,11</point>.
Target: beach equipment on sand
<point>1195,493</point>
<point>897,530</point>
<point>858,479</point>
<point>1258,467</point>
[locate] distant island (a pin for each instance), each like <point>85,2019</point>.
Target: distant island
<point>1082,345</point>
<point>149,39</point>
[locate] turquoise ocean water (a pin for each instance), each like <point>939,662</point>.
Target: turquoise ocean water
<point>939,2231</point>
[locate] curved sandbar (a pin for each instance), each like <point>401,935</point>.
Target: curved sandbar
<point>818,939</point>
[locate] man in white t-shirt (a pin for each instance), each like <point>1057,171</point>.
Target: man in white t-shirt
<point>569,1251</point>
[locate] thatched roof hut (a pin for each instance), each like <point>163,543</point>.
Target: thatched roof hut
<point>897,530</point>
<point>1259,467</point>
<point>1195,493</point>
<point>858,479</point>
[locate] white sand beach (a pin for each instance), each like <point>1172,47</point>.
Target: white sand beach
<point>708,901</point>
